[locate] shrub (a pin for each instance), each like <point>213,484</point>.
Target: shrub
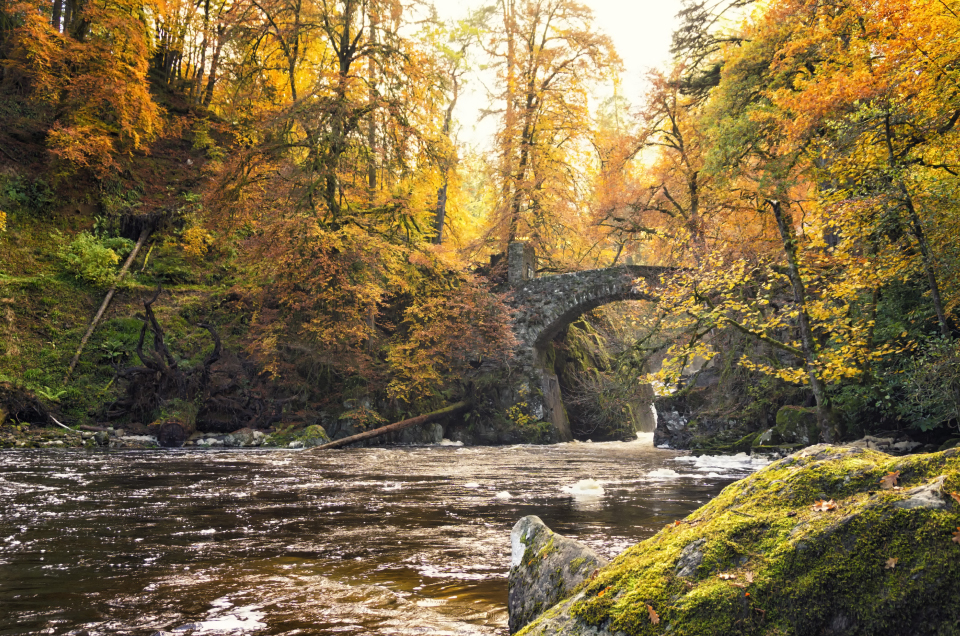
<point>932,383</point>
<point>93,261</point>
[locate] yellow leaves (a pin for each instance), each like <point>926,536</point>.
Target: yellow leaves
<point>889,481</point>
<point>824,506</point>
<point>3,221</point>
<point>890,563</point>
<point>196,241</point>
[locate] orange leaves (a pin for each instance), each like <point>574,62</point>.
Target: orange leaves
<point>82,147</point>
<point>603,591</point>
<point>956,536</point>
<point>97,81</point>
<point>449,333</point>
<point>955,496</point>
<point>889,481</point>
<point>824,506</point>
<point>654,617</point>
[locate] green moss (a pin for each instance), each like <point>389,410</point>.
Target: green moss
<point>797,425</point>
<point>547,549</point>
<point>795,570</point>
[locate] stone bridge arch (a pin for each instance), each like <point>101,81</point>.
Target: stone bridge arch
<point>545,307</point>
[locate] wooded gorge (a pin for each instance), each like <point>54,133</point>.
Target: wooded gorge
<point>300,176</point>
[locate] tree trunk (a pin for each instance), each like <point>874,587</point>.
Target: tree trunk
<point>214,67</point>
<point>195,90</point>
<point>372,124</point>
<point>55,19</point>
<point>806,333</point>
<point>441,211</point>
<point>67,15</point>
<point>918,233</point>
<point>927,257</point>
<point>106,302</point>
<point>398,426</point>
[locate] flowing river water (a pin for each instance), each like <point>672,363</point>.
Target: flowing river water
<point>361,541</point>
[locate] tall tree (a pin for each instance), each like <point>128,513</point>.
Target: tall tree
<point>550,57</point>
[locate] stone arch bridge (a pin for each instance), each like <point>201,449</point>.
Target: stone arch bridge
<point>545,307</point>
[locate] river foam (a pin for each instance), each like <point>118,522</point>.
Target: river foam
<point>585,488</point>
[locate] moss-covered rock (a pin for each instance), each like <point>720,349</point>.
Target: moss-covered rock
<point>313,435</point>
<point>797,425</point>
<point>545,568</point>
<point>760,559</point>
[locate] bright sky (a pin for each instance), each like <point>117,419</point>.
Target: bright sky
<point>640,30</point>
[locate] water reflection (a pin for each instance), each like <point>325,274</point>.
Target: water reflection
<point>365,541</point>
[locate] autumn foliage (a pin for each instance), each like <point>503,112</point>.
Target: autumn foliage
<point>796,166</point>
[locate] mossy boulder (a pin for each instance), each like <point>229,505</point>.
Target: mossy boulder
<point>797,425</point>
<point>762,559</point>
<point>313,435</point>
<point>545,568</point>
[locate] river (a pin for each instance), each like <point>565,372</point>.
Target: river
<point>359,541</point>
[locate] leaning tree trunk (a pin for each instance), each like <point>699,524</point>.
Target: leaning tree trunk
<point>806,333</point>
<point>106,302</point>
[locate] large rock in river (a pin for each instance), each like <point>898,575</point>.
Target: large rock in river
<point>545,569</point>
<point>770,556</point>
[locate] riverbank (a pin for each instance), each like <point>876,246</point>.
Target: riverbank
<point>26,436</point>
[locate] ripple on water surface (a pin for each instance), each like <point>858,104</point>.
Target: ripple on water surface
<point>362,541</point>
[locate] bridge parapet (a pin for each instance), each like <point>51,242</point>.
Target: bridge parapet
<point>546,306</point>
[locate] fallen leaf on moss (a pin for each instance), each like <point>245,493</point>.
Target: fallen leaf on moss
<point>749,577</point>
<point>676,523</point>
<point>888,481</point>
<point>603,591</point>
<point>823,506</point>
<point>891,563</point>
<point>956,536</point>
<point>726,576</point>
<point>654,617</point>
<point>956,497</point>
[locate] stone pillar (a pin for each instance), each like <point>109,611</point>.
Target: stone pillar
<point>521,262</point>
<point>554,411</point>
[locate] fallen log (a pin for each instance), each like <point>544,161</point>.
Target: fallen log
<point>397,426</point>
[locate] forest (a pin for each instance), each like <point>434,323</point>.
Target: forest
<point>279,198</point>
